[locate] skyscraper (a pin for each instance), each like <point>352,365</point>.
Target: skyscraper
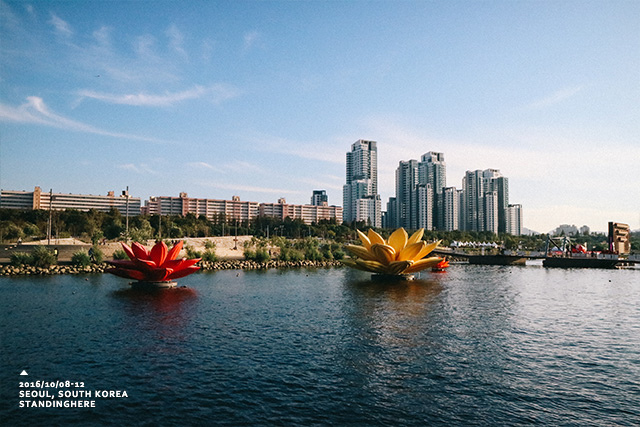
<point>319,198</point>
<point>486,196</point>
<point>360,193</point>
<point>432,170</point>
<point>500,185</point>
<point>514,219</point>
<point>406,195</point>
<point>473,201</point>
<point>451,206</point>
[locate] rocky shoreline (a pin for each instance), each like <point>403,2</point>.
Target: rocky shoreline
<point>25,270</point>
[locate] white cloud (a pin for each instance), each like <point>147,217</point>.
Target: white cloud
<point>555,98</point>
<point>326,151</point>
<point>61,27</point>
<point>250,39</point>
<point>144,46</point>
<point>323,182</point>
<point>176,40</point>
<point>204,165</point>
<point>36,111</point>
<point>142,168</point>
<point>216,94</point>
<point>250,188</point>
<point>103,36</point>
<point>207,50</point>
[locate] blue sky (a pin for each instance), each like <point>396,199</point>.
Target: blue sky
<point>263,99</point>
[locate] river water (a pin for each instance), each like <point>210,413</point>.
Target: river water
<point>476,345</point>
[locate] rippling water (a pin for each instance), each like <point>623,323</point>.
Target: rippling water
<point>476,345</point>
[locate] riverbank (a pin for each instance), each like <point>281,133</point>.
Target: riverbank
<point>25,270</point>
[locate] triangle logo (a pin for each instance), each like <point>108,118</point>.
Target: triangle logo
<point>23,373</point>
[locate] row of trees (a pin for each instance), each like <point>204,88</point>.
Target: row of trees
<point>95,226</point>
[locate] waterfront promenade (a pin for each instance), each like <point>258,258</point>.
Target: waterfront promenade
<point>225,247</point>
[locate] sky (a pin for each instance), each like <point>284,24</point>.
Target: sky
<point>262,99</point>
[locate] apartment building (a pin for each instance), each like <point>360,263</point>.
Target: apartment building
<point>37,199</point>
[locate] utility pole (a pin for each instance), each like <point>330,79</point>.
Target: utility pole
<point>49,226</point>
<point>127,215</point>
<point>236,238</point>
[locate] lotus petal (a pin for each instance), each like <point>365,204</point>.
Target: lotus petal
<point>427,249</point>
<point>398,267</point>
<point>375,238</point>
<point>383,253</point>
<point>422,264</point>
<point>364,239</point>
<point>158,253</point>
<point>140,251</point>
<point>127,274</point>
<point>175,250</point>
<point>144,264</point>
<point>411,251</point>
<point>398,239</point>
<point>360,252</point>
<point>185,272</point>
<point>121,263</point>
<point>128,250</point>
<point>157,274</point>
<point>416,237</point>
<point>351,262</point>
<point>372,266</point>
<point>179,264</point>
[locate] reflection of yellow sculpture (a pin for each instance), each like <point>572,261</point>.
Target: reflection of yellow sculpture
<point>399,255</point>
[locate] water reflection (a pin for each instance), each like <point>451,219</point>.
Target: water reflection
<point>387,334</point>
<point>157,319</point>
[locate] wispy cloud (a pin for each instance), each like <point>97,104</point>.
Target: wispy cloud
<point>216,94</point>
<point>103,36</point>
<point>176,40</point>
<point>201,165</point>
<point>326,151</point>
<point>555,98</point>
<point>144,45</point>
<point>250,188</point>
<point>142,168</point>
<point>250,39</point>
<point>36,111</point>
<point>60,26</point>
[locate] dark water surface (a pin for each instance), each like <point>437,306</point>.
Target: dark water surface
<point>477,345</point>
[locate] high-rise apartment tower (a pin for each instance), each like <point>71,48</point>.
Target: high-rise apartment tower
<point>360,193</point>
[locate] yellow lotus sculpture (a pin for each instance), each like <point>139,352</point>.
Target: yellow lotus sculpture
<point>399,255</point>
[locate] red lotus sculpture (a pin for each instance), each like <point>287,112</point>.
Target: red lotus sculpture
<point>441,266</point>
<point>157,266</point>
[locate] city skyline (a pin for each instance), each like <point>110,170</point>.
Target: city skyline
<point>262,100</point>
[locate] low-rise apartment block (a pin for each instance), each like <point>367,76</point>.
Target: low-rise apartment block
<point>37,199</point>
<point>238,210</point>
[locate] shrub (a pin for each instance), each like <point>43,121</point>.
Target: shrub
<point>259,255</point>
<point>120,254</point>
<point>312,254</point>
<point>20,258</point>
<point>42,257</point>
<point>209,244</point>
<point>249,254</point>
<point>192,253</point>
<point>98,255</point>
<point>289,254</point>
<point>81,259</point>
<point>338,254</point>
<point>262,255</point>
<point>209,256</point>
